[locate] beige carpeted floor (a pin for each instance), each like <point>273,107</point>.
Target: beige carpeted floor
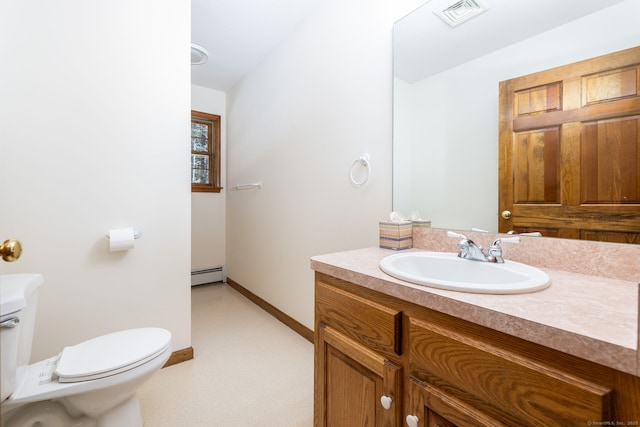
<point>249,370</point>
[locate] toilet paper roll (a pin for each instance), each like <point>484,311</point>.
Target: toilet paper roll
<point>121,239</point>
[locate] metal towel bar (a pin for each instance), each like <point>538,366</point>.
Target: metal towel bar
<point>247,186</point>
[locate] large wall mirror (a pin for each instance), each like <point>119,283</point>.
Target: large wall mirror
<point>446,78</point>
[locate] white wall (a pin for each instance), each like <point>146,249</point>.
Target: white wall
<point>297,123</point>
<point>208,209</point>
<point>94,135</point>
<point>454,151</point>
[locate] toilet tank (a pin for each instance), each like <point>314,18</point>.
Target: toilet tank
<point>18,300</point>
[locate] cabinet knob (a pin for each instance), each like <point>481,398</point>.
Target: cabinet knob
<point>506,214</point>
<point>386,402</point>
<point>412,421</point>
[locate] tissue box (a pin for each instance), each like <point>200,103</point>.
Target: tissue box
<point>396,235</point>
<point>421,224</point>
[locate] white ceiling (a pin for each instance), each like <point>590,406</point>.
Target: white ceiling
<point>506,22</point>
<point>238,34</point>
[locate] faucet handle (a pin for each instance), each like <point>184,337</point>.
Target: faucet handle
<point>530,233</point>
<point>512,239</point>
<point>494,254</point>
<point>458,235</point>
<point>463,243</point>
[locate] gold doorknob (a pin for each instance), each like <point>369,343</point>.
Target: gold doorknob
<point>506,214</point>
<point>10,250</point>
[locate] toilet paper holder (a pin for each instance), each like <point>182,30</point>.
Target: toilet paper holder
<point>137,233</point>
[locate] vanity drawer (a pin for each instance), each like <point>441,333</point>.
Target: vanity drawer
<point>505,382</point>
<point>374,325</point>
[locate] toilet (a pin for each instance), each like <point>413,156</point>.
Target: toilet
<point>91,384</point>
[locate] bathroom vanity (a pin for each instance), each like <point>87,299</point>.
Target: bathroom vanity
<point>389,353</point>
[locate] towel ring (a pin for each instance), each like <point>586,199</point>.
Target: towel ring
<point>364,162</point>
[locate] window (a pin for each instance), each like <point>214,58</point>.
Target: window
<point>205,152</point>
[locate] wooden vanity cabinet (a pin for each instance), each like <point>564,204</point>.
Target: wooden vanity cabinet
<point>442,371</point>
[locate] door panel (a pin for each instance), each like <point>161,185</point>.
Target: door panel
<point>536,159</point>
<point>610,159</point>
<point>351,392</point>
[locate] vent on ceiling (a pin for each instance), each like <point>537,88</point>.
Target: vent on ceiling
<point>461,11</point>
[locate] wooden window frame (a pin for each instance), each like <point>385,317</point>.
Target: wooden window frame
<point>214,152</point>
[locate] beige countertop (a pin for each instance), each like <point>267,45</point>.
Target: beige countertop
<point>591,317</point>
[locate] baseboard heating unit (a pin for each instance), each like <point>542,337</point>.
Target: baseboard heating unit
<point>208,275</point>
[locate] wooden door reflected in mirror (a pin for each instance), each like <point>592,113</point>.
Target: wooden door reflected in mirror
<point>569,150</point>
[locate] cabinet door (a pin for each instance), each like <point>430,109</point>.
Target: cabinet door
<point>430,407</point>
<point>354,386</point>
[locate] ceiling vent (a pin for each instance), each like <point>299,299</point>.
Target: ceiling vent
<point>461,11</point>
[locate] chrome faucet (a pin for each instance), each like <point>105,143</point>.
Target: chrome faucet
<point>470,250</point>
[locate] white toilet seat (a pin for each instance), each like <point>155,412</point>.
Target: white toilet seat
<point>38,381</point>
<point>110,354</point>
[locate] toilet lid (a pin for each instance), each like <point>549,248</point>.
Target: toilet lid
<point>111,354</point>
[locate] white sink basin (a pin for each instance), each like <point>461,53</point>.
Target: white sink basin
<point>448,271</point>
